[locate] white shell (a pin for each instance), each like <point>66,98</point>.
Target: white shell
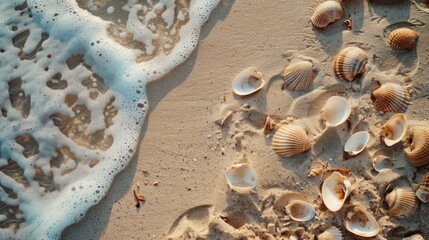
<point>247,82</point>
<point>381,163</point>
<point>395,129</point>
<point>335,190</point>
<point>298,76</point>
<point>290,140</point>
<point>356,143</point>
<point>350,62</point>
<point>241,176</point>
<point>336,110</point>
<point>361,223</point>
<point>300,211</point>
<point>326,13</point>
<point>332,233</point>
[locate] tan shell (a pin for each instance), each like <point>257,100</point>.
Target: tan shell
<point>290,140</point>
<point>350,62</point>
<point>422,191</point>
<point>298,76</point>
<point>418,152</point>
<point>402,39</point>
<point>395,129</point>
<point>335,190</point>
<point>391,97</point>
<point>326,13</point>
<point>361,223</point>
<point>300,210</point>
<point>332,233</point>
<point>402,202</point>
<point>315,172</point>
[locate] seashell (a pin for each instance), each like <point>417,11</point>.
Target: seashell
<point>361,223</point>
<point>350,62</point>
<point>241,176</point>
<point>402,39</point>
<point>335,190</point>
<point>417,153</point>
<point>356,143</point>
<point>381,163</point>
<point>336,110</point>
<point>332,233</point>
<point>326,13</point>
<point>402,202</point>
<point>300,211</point>
<point>269,125</point>
<point>422,191</point>
<point>391,97</point>
<point>414,237</point>
<point>395,129</point>
<point>298,76</point>
<point>290,140</point>
<point>315,172</point>
<point>247,82</point>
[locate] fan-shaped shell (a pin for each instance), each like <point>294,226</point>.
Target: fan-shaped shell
<point>298,76</point>
<point>402,39</point>
<point>290,140</point>
<point>356,143</point>
<point>336,110</point>
<point>300,210</point>
<point>361,223</point>
<point>332,233</point>
<point>350,62</point>
<point>335,190</point>
<point>326,13</point>
<point>247,82</point>
<point>422,191</point>
<point>395,129</point>
<point>241,176</point>
<point>417,153</point>
<point>381,163</point>
<point>391,97</point>
<point>402,202</point>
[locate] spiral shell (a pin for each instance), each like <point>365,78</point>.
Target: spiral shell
<point>350,62</point>
<point>290,140</point>
<point>422,191</point>
<point>326,13</point>
<point>402,39</point>
<point>332,233</point>
<point>391,97</point>
<point>402,202</point>
<point>394,130</point>
<point>298,76</point>
<point>417,153</point>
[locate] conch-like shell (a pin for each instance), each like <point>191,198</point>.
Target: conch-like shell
<point>422,191</point>
<point>332,233</point>
<point>247,82</point>
<point>241,176</point>
<point>381,162</point>
<point>326,13</point>
<point>316,172</point>
<point>402,202</point>
<point>300,211</point>
<point>361,223</point>
<point>391,97</point>
<point>335,190</point>
<point>336,110</point>
<point>290,140</point>
<point>402,39</point>
<point>298,76</point>
<point>356,143</point>
<point>418,152</point>
<point>350,62</point>
<point>395,129</point>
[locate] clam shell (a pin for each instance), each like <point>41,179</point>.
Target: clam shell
<point>241,176</point>
<point>326,13</point>
<point>300,211</point>
<point>336,110</point>
<point>417,153</point>
<point>381,163</point>
<point>402,39</point>
<point>247,82</point>
<point>356,143</point>
<point>298,76</point>
<point>391,97</point>
<point>395,129</point>
<point>361,223</point>
<point>290,140</point>
<point>335,190</point>
<point>422,191</point>
<point>402,202</point>
<point>332,233</point>
<point>350,62</point>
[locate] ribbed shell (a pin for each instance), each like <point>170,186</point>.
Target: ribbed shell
<point>391,97</point>
<point>402,39</point>
<point>350,62</point>
<point>418,152</point>
<point>331,233</point>
<point>298,76</point>
<point>402,202</point>
<point>290,140</point>
<point>422,191</point>
<point>326,13</point>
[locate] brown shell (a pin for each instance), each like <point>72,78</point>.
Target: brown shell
<point>402,202</point>
<point>326,13</point>
<point>298,76</point>
<point>422,191</point>
<point>290,140</point>
<point>350,62</point>
<point>417,153</point>
<point>402,39</point>
<point>391,97</point>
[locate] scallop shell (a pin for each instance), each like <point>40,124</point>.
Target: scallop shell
<point>402,202</point>
<point>356,143</point>
<point>381,163</point>
<point>332,233</point>
<point>395,129</point>
<point>391,97</point>
<point>298,76</point>
<point>290,140</point>
<point>402,39</point>
<point>247,82</point>
<point>361,223</point>
<point>300,211</point>
<point>335,190</point>
<point>422,191</point>
<point>241,176</point>
<point>350,62</point>
<point>417,153</point>
<point>326,13</point>
<point>336,110</point>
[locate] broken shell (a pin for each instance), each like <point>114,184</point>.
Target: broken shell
<point>300,211</point>
<point>356,143</point>
<point>298,76</point>
<point>361,223</point>
<point>418,151</point>
<point>326,13</point>
<point>269,125</point>
<point>402,39</point>
<point>316,172</point>
<point>395,129</point>
<point>336,110</point>
<point>350,62</point>
<point>241,176</point>
<point>332,233</point>
<point>290,140</point>
<point>247,82</point>
<point>381,162</point>
<point>391,97</point>
<point>422,191</point>
<point>402,202</point>
<point>335,190</point>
